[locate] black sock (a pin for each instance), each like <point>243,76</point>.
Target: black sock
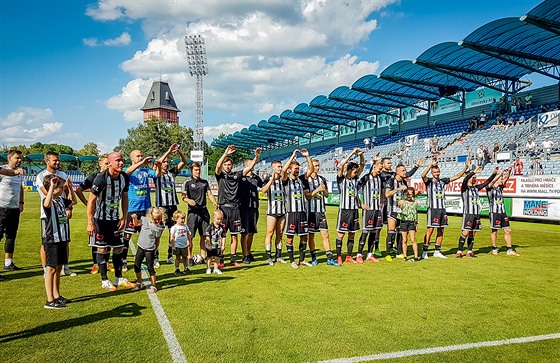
<point>233,257</point>
<point>279,250</point>
<point>302,246</point>
<point>329,255</point>
<point>118,263</point>
<point>268,252</point>
<point>389,241</point>
<point>94,255</point>
<point>399,243</point>
<point>362,242</point>
<point>338,247</point>
<point>462,240</point>
<point>376,240</point>
<point>371,242</point>
<point>425,247</point>
<point>102,264</point>
<point>438,247</point>
<point>290,249</point>
<point>470,244</point>
<point>124,252</point>
<point>350,246</point>
<point>313,255</point>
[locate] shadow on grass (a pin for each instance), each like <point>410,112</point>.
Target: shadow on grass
<point>169,281</point>
<point>80,267</point>
<point>123,311</point>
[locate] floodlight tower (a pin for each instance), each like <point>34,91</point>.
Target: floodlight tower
<point>198,66</point>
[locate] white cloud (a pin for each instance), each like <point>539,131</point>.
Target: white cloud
<point>29,125</point>
<point>211,132</point>
<point>120,41</point>
<point>263,56</point>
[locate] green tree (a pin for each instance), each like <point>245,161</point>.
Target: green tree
<point>217,152</point>
<point>154,138</point>
<point>90,148</point>
<point>40,148</point>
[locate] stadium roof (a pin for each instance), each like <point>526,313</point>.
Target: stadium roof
<point>496,55</point>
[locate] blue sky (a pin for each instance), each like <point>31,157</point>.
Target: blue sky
<point>74,71</point>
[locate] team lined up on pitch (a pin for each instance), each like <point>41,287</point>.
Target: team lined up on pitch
<point>119,205</point>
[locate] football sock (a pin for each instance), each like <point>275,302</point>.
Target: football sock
<point>94,255</point>
<point>399,243</point>
<point>313,255</point>
<point>350,246</point>
<point>329,255</point>
<point>302,246</point>
<point>102,264</point>
<point>268,252</point>
<point>338,247</point>
<point>462,240</point>
<point>118,259</point>
<point>389,241</point>
<point>279,250</point>
<point>362,242</point>
<point>233,257</point>
<point>470,242</point>
<point>290,249</point>
<point>425,247</point>
<point>438,247</point>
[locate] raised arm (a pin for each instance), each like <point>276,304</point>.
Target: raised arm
<point>253,162</point>
<point>462,172</point>
<point>229,150</point>
<point>418,164</point>
<point>268,184</point>
<point>362,161</point>
<point>72,194</point>
<point>427,170</point>
<point>183,161</point>
<point>490,178</point>
<point>288,164</point>
<point>310,167</point>
<point>12,172</point>
<point>344,162</point>
<point>133,167</point>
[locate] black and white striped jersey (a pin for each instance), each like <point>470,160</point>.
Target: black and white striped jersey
<point>55,226</point>
<point>317,203</point>
<point>435,190</point>
<point>348,188</point>
<point>293,191</point>
<point>393,201</point>
<point>371,186</point>
<point>109,193</point>
<point>470,194</point>
<point>496,199</point>
<point>166,195</point>
<point>275,198</point>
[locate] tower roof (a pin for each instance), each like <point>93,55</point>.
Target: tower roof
<point>160,96</point>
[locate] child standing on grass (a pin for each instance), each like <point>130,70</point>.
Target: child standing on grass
<point>56,235</point>
<point>215,241</point>
<point>409,219</point>
<point>181,239</point>
<point>153,225</point>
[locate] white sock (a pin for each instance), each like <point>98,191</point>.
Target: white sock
<point>8,262</point>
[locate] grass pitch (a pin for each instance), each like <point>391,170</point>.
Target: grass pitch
<point>262,313</point>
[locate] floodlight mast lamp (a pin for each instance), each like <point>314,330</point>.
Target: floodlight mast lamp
<point>198,66</point>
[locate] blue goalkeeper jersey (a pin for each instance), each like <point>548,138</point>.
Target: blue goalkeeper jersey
<point>139,190</point>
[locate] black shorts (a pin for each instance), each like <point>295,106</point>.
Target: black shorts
<point>169,210</point>
<point>296,224</point>
<point>471,222</point>
<point>129,226</point>
<point>181,252</point>
<point>212,252</point>
<point>437,218</point>
<point>198,221</point>
<point>9,222</point>
<point>317,221</point>
<point>392,215</point>
<point>107,234</point>
<point>348,221</point>
<point>499,221</point>
<point>408,226</point>
<point>56,254</point>
<point>372,220</point>
<point>384,210</point>
<point>249,219</point>
<point>232,220</point>
<point>277,215</point>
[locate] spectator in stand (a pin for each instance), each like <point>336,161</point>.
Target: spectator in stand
<point>521,120</point>
<point>517,167</point>
<point>494,109</point>
<point>512,147</point>
<point>510,121</point>
<point>435,144</point>
<point>547,144</point>
<point>536,167</point>
<point>514,105</point>
<point>468,152</point>
<point>482,119</point>
<point>427,143</point>
<point>528,101</point>
<point>480,156</point>
<point>544,109</point>
<point>503,105</point>
<point>486,155</point>
<point>531,148</point>
<point>367,144</point>
<point>495,151</point>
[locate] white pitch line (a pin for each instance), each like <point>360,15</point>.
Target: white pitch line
<point>449,348</point>
<point>177,355</point>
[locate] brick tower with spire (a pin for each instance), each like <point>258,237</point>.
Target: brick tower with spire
<point>161,104</point>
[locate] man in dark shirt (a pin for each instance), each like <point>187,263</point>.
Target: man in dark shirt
<point>194,194</point>
<point>228,195</point>
<point>249,211</point>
